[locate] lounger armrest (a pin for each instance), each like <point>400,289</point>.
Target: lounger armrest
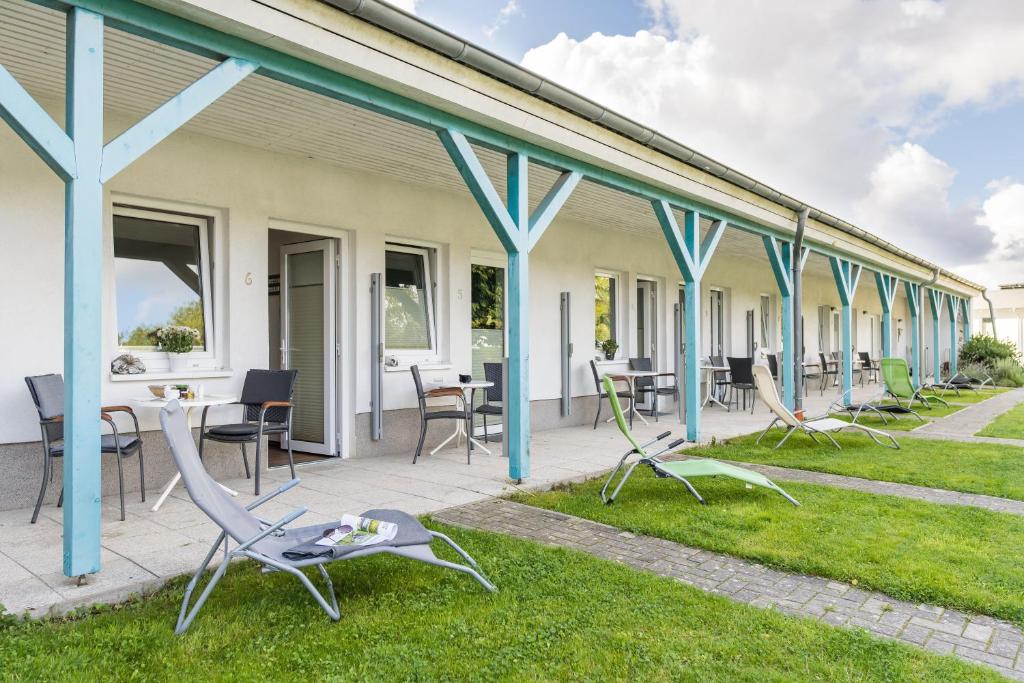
<point>276,492</point>
<point>284,521</point>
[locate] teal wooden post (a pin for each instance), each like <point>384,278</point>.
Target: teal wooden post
<point>953,307</point>
<point>780,256</point>
<point>913,291</point>
<point>847,276</point>
<point>518,231</point>
<point>692,258</point>
<point>886,285</point>
<point>935,299</point>
<point>966,301</point>
<point>83,258</point>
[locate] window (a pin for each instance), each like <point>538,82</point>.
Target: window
<point>605,318</point>
<point>488,316</point>
<point>409,324</point>
<point>161,274</point>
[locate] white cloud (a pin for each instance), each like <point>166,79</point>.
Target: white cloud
<point>816,99</point>
<point>407,5</point>
<point>1003,214</point>
<point>510,9</point>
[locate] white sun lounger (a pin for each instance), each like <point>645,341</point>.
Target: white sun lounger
<point>813,426</point>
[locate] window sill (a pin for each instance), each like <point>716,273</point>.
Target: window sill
<point>164,375</point>
<point>422,366</point>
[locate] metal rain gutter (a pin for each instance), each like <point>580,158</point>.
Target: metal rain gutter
<point>430,36</point>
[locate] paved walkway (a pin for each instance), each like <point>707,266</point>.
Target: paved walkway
<point>975,638</point>
<point>964,424</point>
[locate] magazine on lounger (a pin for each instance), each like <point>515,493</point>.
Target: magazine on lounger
<point>359,531</point>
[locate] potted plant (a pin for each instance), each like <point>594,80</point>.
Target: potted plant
<point>609,346</point>
<point>177,341</point>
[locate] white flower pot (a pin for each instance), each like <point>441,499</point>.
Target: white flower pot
<point>178,362</point>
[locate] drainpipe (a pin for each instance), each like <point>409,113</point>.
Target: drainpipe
<point>798,313</point>
<point>991,310</point>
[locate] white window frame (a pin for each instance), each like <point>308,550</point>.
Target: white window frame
<point>429,254</point>
<point>765,319</point>
<point>156,360</point>
<point>616,305</point>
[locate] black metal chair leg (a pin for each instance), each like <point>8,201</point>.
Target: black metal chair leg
<point>245,461</point>
<point>42,487</point>
<point>120,478</point>
<point>469,439</point>
<point>142,474</point>
<point>600,398</point>
<point>419,446</point>
<point>486,439</point>
<point>259,448</point>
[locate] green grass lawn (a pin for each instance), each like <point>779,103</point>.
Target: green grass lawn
<point>966,396</point>
<point>559,615</point>
<point>990,469</point>
<point>1009,425</point>
<point>953,556</point>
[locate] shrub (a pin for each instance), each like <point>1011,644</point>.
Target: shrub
<point>1007,372</point>
<point>987,351</point>
<point>975,370</point>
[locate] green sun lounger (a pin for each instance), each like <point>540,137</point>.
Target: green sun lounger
<point>681,470</point>
<point>896,375</point>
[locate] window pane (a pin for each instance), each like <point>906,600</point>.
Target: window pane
<point>604,308</point>
<point>406,312</point>
<point>158,277</point>
<point>488,325</point>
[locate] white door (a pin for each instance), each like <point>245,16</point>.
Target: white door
<point>647,327</point>
<point>308,342</point>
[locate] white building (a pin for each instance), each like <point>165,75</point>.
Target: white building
<point>327,158</point>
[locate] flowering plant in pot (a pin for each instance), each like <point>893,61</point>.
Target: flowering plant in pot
<point>609,346</point>
<point>178,341</point>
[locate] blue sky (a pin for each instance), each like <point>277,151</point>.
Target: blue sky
<point>903,116</point>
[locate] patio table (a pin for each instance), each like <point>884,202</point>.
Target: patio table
<point>631,376</point>
<point>709,371</point>
<point>188,405</point>
<point>460,427</point>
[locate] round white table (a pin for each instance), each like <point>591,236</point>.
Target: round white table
<point>709,375</point>
<point>460,427</point>
<point>188,405</point>
<point>631,376</point>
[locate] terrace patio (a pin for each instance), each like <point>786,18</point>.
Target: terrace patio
<point>148,548</point>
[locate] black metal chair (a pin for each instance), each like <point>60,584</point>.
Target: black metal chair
<point>602,394</point>
<point>267,409</point>
<point>868,368</point>
<point>741,371</point>
<point>643,386</point>
<point>721,378</point>
<point>426,416</point>
<point>493,395</point>
<point>48,395</point>
<point>829,368</point>
<point>811,371</point>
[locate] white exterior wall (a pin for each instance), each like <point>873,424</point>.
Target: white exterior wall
<point>247,189</point>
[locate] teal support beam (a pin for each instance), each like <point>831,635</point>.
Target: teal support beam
<point>913,291</point>
<point>552,204</point>
<point>171,115</point>
<point>83,258</point>
<point>847,277</point>
<point>692,258</point>
<point>518,231</point>
<point>886,285</point>
<point>780,256</point>
<point>953,307</point>
<point>967,318</point>
<point>35,126</point>
<point>935,298</point>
